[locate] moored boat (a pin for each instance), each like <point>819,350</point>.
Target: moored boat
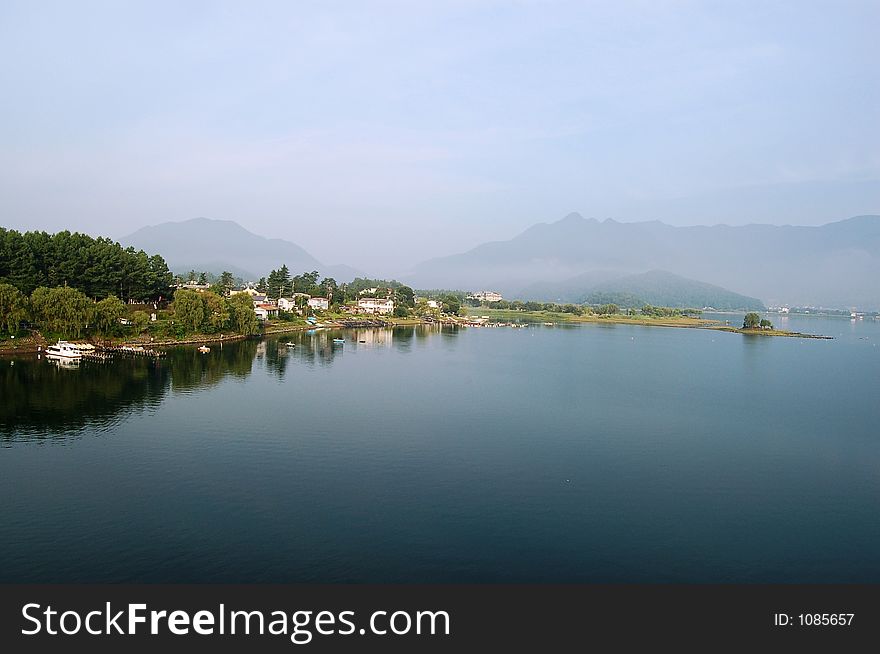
<point>64,350</point>
<point>204,349</point>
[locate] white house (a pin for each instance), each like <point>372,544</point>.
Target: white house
<point>287,304</point>
<point>375,305</point>
<point>194,286</point>
<point>486,296</point>
<point>433,304</point>
<point>265,311</point>
<point>319,303</point>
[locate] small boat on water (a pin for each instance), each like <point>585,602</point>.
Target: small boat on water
<point>204,349</point>
<point>290,344</point>
<point>338,341</point>
<point>64,350</point>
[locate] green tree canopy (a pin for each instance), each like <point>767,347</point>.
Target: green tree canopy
<point>405,296</point>
<point>450,304</point>
<point>226,283</point>
<point>189,310</point>
<point>241,314</point>
<point>62,309</point>
<point>13,308</point>
<point>107,314</point>
<point>607,309</point>
<point>216,312</point>
<point>140,320</point>
<point>751,320</point>
<point>96,266</point>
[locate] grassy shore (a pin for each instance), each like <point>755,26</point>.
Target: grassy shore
<point>621,319</point>
<point>560,317</point>
<point>33,341</point>
<point>767,332</point>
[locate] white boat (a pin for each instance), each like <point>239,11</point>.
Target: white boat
<point>63,350</point>
<point>64,364</point>
<point>204,349</point>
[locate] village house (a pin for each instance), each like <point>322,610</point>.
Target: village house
<point>250,291</point>
<point>194,286</point>
<point>287,304</point>
<point>265,311</point>
<point>319,303</point>
<point>486,296</point>
<point>375,305</point>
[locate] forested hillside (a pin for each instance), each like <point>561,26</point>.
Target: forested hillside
<point>99,267</point>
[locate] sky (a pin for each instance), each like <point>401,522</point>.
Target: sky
<point>380,134</point>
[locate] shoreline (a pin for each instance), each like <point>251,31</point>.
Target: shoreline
<point>36,342</point>
<point>539,317</point>
<point>769,332</point>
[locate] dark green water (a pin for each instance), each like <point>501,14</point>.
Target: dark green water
<point>587,453</point>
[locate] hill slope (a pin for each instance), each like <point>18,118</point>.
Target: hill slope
<point>662,288</point>
<point>832,265</point>
<point>218,245</point>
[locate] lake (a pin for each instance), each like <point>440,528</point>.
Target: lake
<point>583,453</point>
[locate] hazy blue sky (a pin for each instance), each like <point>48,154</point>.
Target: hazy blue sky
<point>359,129</point>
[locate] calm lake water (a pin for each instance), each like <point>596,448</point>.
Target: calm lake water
<point>595,453</point>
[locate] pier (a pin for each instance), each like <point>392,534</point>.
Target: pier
<point>108,352</point>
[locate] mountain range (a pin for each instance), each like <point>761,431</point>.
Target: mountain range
<point>203,244</point>
<point>833,265</point>
<point>578,259</point>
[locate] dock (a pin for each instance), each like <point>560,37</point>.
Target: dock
<point>129,351</point>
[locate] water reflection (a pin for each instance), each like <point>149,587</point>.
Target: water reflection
<point>320,347</point>
<point>44,401</point>
<point>41,399</point>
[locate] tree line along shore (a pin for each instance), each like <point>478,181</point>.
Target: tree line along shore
<point>73,286</point>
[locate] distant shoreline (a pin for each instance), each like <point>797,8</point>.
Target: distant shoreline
<point>644,321</point>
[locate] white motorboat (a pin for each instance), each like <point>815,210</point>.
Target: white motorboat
<point>64,350</point>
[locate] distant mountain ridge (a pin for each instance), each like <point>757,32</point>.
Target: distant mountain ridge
<point>204,244</point>
<point>837,264</point>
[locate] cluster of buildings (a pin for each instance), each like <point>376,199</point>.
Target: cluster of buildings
<point>266,308</point>
<point>377,305</point>
<point>193,286</point>
<point>485,296</point>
